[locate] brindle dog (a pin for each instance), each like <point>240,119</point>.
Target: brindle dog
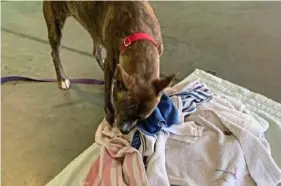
<point>134,72</point>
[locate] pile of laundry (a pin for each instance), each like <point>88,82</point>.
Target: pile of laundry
<point>194,137</point>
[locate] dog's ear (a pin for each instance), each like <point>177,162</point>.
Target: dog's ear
<point>122,75</point>
<point>161,84</point>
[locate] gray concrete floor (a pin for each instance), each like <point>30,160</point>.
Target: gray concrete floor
<point>43,128</point>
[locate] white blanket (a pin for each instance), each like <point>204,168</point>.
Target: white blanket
<point>231,151</point>
<point>264,110</point>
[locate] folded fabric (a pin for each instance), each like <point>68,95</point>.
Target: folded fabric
<point>228,152</point>
<point>193,96</point>
<point>166,114</point>
<point>156,166</point>
<point>145,144</point>
<point>257,156</point>
<point>231,151</point>
<point>213,159</point>
<point>118,162</point>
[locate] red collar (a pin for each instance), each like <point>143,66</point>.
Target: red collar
<point>135,37</point>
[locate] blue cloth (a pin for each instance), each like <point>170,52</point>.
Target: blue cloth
<point>166,114</point>
<point>136,141</point>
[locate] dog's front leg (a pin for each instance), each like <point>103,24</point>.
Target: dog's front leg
<point>108,79</point>
<point>98,54</point>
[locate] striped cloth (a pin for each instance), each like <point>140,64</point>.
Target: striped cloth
<point>193,96</point>
<point>119,164</point>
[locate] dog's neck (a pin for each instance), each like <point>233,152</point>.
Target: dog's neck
<point>141,59</point>
<point>139,56</point>
<point>138,36</point>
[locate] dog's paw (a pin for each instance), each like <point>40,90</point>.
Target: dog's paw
<point>64,84</point>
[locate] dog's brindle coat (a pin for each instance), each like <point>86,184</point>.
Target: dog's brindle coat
<point>137,87</point>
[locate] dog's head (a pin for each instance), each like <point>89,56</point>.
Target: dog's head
<point>135,99</point>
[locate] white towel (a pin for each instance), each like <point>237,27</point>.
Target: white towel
<point>241,158</point>
<point>156,167</point>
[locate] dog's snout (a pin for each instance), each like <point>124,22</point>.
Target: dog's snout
<point>125,131</point>
<point>127,127</point>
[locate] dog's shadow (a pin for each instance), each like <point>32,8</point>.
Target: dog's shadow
<point>84,96</point>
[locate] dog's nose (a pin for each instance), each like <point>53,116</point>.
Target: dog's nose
<point>125,128</point>
<point>125,131</point>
